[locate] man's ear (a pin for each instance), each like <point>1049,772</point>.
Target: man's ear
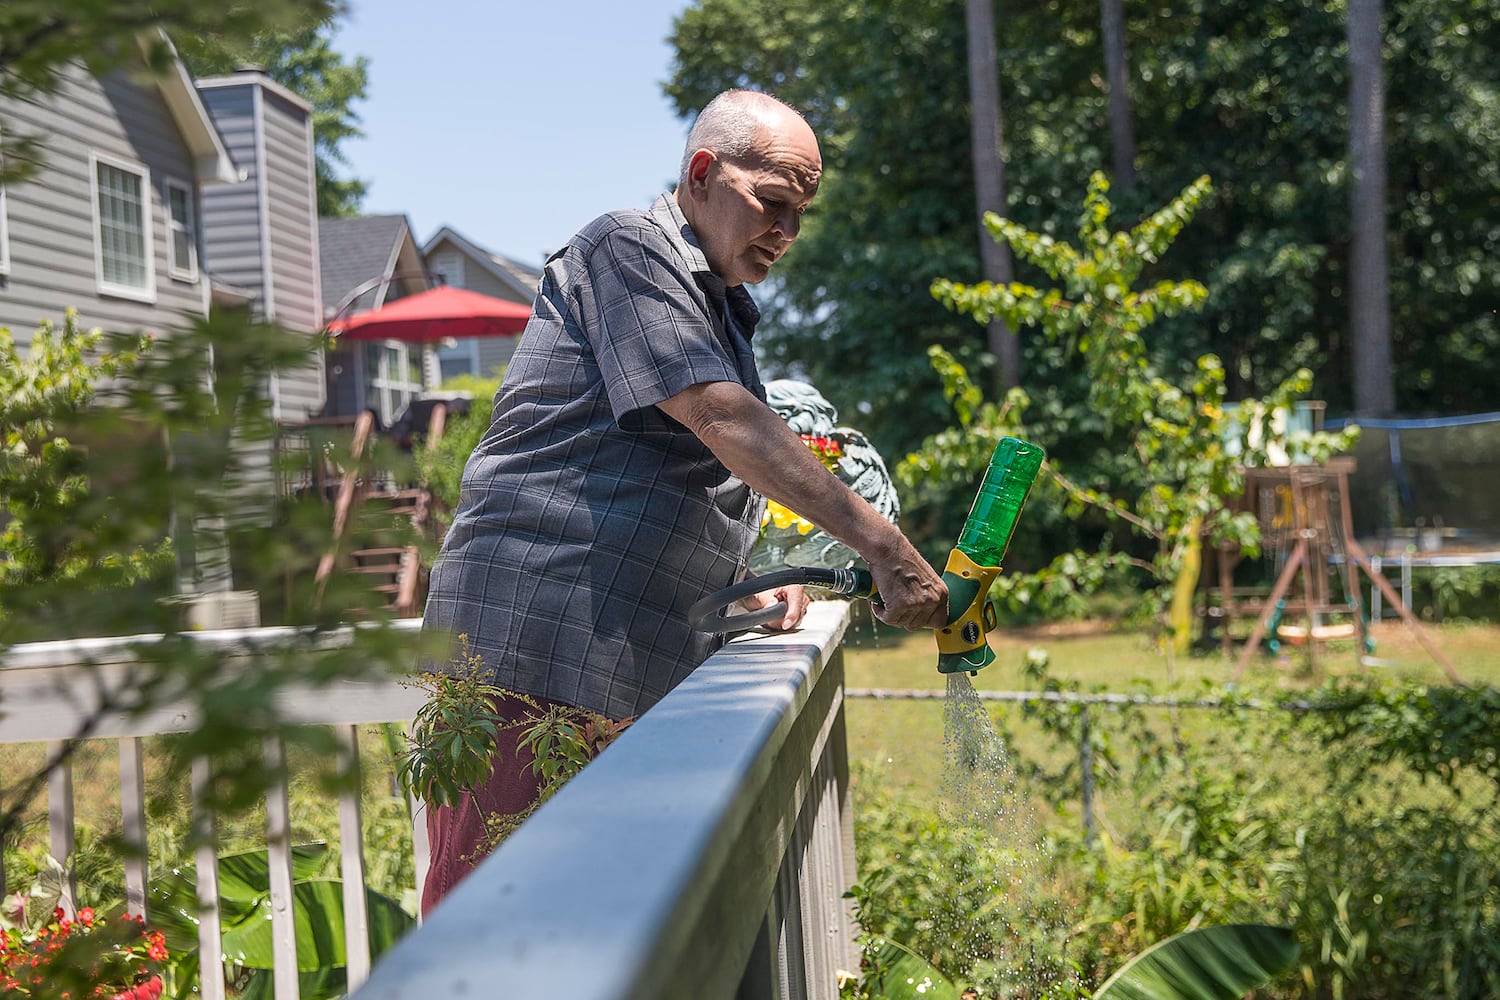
<point>699,167</point>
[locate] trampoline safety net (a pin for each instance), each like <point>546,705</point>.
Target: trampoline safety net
<point>1431,482</point>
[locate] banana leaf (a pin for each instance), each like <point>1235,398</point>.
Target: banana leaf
<point>320,928</point>
<point>1209,963</point>
<point>244,885</point>
<point>245,916</point>
<point>897,973</point>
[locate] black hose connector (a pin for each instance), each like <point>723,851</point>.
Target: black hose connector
<point>707,615</point>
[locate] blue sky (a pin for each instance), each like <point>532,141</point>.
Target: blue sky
<point>513,122</point>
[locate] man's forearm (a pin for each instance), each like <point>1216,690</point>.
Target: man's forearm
<point>757,446</point>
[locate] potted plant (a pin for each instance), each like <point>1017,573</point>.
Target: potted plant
<point>86,957</point>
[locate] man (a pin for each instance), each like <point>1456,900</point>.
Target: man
<point>618,481</point>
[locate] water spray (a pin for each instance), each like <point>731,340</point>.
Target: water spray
<point>972,566</point>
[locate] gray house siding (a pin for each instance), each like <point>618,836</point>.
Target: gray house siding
<point>261,234</point>
<point>293,214</point>
<point>232,240</point>
<point>50,218</point>
<point>494,352</point>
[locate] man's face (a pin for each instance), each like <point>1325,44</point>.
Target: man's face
<point>746,214</point>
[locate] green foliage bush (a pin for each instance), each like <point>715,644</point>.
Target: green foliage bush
<point>1368,819</point>
<point>442,467</point>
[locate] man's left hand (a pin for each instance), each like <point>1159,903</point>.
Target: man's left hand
<point>796,605</point>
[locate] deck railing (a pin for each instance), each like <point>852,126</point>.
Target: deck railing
<point>705,854</point>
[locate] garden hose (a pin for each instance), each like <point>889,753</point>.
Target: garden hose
<point>707,615</point>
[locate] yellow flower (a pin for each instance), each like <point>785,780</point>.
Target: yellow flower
<point>783,517</point>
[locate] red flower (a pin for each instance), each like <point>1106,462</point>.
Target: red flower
<point>123,959</point>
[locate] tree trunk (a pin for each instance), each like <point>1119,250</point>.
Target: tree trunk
<point>989,175</point>
<point>1369,278</point>
<point>1116,75</point>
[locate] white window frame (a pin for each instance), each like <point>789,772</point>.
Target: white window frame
<point>393,390</point>
<point>148,293</point>
<point>189,228</point>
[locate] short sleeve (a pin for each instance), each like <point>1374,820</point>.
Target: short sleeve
<point>648,323</point>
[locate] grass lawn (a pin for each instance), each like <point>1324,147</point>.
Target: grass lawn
<point>899,743</point>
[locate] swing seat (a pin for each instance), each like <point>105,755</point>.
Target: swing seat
<point>1297,635</point>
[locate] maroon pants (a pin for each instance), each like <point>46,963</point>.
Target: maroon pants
<point>456,832</point>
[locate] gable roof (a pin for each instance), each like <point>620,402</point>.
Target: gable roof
<point>523,278</point>
<point>358,250</point>
<point>210,158</point>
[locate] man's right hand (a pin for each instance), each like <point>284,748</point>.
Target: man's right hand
<point>912,594</point>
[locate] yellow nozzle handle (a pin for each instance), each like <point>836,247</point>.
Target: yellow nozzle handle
<point>968,587</point>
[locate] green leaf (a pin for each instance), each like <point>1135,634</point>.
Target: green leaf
<point>245,911</point>
<point>1209,963</point>
<point>244,883</point>
<point>320,928</point>
<point>898,973</point>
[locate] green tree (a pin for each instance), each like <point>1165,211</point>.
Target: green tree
<point>1177,433</point>
<point>86,551</point>
<point>1369,269</point>
<point>1254,95</point>
<point>38,38</point>
<point>44,485</point>
<point>302,60</point>
<point>987,128</point>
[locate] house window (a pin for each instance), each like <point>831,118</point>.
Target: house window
<point>458,358</point>
<point>122,229</point>
<point>461,358</point>
<point>395,378</point>
<point>182,234</point>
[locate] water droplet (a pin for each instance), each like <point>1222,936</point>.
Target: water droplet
<point>982,806</point>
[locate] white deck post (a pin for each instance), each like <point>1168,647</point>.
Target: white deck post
<point>133,825</point>
<point>279,874</point>
<point>352,864</point>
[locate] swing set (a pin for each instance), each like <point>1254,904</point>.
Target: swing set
<point>1307,531</point>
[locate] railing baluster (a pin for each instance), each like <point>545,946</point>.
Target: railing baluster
<point>420,847</point>
<point>133,824</point>
<point>352,863</point>
<point>279,860</point>
<point>838,746</point>
<point>60,821</point>
<point>791,963</point>
<point>819,891</point>
<point>210,941</point>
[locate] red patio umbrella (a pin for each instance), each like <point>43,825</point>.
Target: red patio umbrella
<point>436,314</point>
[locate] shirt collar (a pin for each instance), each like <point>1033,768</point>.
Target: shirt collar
<point>668,214</point>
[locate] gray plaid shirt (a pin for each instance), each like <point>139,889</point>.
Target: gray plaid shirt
<point>589,521</point>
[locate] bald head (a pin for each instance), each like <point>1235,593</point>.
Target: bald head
<point>751,169</point>
<point>730,125</point>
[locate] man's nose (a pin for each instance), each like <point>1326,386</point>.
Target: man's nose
<point>788,223</point>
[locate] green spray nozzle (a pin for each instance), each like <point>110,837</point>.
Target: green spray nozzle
<point>975,560</point>
<point>972,567</point>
